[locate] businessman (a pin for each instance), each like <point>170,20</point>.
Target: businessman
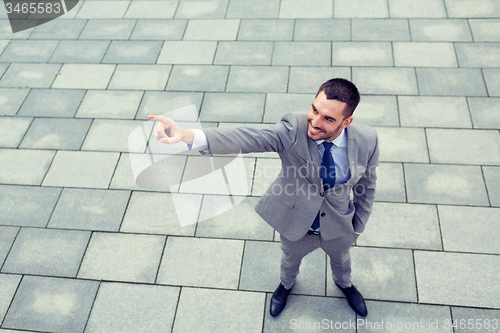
<point>325,158</point>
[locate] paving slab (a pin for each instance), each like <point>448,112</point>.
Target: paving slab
<point>266,30</point>
<point>140,77</point>
<point>447,146</point>
<point>198,78</point>
<point>150,29</point>
<point>440,30</point>
<point>133,52</point>
<point>113,135</point>
<point>302,54</point>
<point>278,105</point>
<point>8,287</point>
<point>445,184</point>
<point>84,76</point>
<point>456,283</point>
<point>478,54</point>
<point>103,9</point>
<point>362,54</point>
<point>29,75</point>
<point>160,102</point>
<point>417,8</point>
<point>13,130</point>
<point>166,217</point>
<point>11,100</point>
<point>202,9</point>
<point>201,262</point>
<point>410,317</point>
<point>195,181</point>
<point>80,51</point>
<point>58,29</point>
<point>123,177</point>
<point>320,30</point>
<point>385,80</point>
<point>380,30</point>
<point>240,107</point>
<point>377,111</point>
<point>212,29</point>
<point>187,52</point>
<point>122,257</point>
<point>29,51</point>
<point>103,29</point>
<point>460,236</point>
<point>56,133</point>
<point>151,9</point>
<point>412,54</point>
<point>451,82</point>
<point>309,79</point>
<point>421,227</point>
<point>27,205</point>
<point>7,237</point>
<point>38,251</point>
<point>89,209</point>
<point>257,79</point>
<point>81,169</point>
<point>255,9</point>
<point>492,179</point>
<point>472,9</point>
<point>360,9</point>
<point>6,30</point>
<point>123,307</point>
<point>221,218</point>
<point>51,103</point>
<point>390,183</point>
<point>481,320</point>
<point>304,311</point>
<point>485,30</point>
<point>244,53</point>
<point>380,273</point>
<point>432,111</point>
<point>301,9</point>
<point>399,144</point>
<point>51,304</point>
<point>15,170</point>
<point>492,78</point>
<point>118,104</point>
<point>219,310</point>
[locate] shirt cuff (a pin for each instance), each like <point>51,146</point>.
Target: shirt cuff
<point>200,141</point>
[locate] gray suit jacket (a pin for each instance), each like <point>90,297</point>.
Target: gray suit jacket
<point>291,203</point>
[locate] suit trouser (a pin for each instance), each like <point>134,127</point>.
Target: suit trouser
<point>337,250</point>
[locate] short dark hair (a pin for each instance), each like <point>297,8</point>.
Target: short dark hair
<point>341,90</point>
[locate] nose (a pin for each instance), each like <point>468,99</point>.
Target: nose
<point>315,122</point>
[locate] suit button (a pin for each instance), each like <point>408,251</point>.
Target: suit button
<point>323,214</point>
<point>322,194</point>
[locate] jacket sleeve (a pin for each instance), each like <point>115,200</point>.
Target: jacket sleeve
<point>364,192</point>
<point>276,138</point>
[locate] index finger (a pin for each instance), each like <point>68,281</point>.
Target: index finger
<point>162,119</point>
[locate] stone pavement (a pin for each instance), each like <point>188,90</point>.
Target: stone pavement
<point>84,249</point>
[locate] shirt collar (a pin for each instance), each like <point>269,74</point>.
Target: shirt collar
<point>337,141</point>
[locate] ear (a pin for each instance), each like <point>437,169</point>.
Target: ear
<point>346,122</point>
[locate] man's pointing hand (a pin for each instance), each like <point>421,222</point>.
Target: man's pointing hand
<point>167,131</point>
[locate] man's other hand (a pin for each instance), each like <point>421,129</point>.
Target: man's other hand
<point>167,131</point>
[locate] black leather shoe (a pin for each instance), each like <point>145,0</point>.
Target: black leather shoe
<point>278,301</point>
<point>355,300</point>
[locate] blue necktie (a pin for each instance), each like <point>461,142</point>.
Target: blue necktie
<point>327,173</point>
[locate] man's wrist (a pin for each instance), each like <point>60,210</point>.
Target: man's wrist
<point>187,136</point>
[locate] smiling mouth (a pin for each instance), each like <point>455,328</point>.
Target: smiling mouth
<point>314,131</point>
